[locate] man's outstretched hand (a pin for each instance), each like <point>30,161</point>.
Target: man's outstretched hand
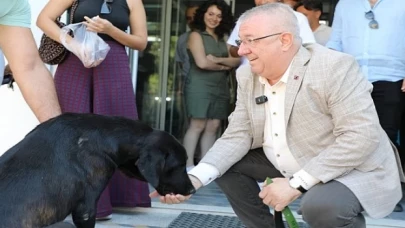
<point>175,199</point>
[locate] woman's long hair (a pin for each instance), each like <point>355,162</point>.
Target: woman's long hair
<point>225,26</point>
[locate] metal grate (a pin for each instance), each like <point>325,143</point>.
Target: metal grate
<point>188,220</point>
<point>194,220</point>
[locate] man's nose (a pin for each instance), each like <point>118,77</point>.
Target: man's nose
<point>243,50</point>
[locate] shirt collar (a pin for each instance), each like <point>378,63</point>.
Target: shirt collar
<point>283,79</point>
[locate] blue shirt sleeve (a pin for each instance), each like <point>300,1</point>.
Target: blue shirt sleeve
<point>335,40</point>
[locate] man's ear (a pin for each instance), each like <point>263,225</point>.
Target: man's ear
<point>287,40</point>
<point>150,165</point>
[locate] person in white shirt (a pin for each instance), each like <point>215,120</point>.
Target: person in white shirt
<point>304,117</point>
<point>312,9</point>
<point>305,31</point>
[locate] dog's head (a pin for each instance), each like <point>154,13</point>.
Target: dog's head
<point>161,161</point>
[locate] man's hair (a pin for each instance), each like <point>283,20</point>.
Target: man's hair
<point>312,5</point>
<point>284,14</point>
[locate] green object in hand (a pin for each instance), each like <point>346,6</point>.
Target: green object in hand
<point>288,215</point>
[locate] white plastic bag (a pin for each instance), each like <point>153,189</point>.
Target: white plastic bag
<point>86,45</point>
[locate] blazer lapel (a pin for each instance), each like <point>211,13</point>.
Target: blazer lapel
<point>297,73</point>
<point>258,112</point>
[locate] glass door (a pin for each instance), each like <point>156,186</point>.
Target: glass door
<point>174,119</point>
<point>148,65</point>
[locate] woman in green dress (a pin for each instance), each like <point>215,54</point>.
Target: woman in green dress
<point>206,88</point>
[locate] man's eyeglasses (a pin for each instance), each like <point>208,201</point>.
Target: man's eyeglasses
<point>373,23</point>
<point>251,42</point>
<point>106,8</point>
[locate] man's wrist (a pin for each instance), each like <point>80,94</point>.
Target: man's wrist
<point>296,184</point>
<point>195,181</point>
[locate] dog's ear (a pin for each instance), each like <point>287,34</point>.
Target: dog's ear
<point>150,165</point>
<point>132,171</point>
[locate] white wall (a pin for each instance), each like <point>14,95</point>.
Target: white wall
<point>16,119</point>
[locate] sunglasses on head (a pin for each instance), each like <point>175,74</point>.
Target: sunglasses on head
<point>373,23</point>
<point>106,8</point>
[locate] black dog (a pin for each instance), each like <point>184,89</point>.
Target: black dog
<point>64,164</point>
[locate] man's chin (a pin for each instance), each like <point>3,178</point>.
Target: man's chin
<point>254,69</point>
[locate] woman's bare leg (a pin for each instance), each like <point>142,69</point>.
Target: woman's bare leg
<point>191,138</point>
<point>209,136</point>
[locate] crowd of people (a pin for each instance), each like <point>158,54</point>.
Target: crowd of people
<point>319,109</point>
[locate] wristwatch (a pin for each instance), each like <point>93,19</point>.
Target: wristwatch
<point>295,183</point>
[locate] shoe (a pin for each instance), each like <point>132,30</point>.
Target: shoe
<point>398,208</point>
<point>104,218</point>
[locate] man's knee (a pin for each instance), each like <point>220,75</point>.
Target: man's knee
<point>329,216</point>
<point>323,215</point>
<point>331,205</point>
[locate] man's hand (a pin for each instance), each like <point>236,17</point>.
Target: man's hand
<point>175,199</point>
<point>279,194</point>
<point>233,51</point>
<point>403,86</point>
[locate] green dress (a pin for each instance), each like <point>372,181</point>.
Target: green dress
<point>207,91</point>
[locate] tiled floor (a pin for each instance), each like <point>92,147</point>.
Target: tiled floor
<point>212,201</point>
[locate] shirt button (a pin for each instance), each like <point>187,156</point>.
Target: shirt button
<point>284,172</point>
<point>274,93</point>
<point>276,134</point>
<point>274,113</point>
<point>278,155</point>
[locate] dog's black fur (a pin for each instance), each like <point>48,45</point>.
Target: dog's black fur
<point>64,164</point>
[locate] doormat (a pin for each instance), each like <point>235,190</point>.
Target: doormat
<point>194,220</point>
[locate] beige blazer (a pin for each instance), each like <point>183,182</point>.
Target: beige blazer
<point>331,124</point>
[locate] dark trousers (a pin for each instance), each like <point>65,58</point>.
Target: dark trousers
<point>387,97</point>
<point>323,206</point>
<point>389,103</point>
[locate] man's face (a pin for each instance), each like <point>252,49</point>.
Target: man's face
<point>190,12</point>
<point>262,54</point>
<point>312,15</point>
